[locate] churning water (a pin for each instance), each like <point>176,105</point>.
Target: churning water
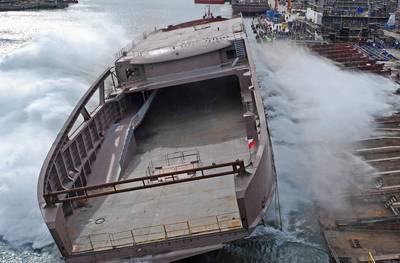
<point>49,58</point>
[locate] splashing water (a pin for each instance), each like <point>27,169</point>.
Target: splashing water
<point>315,109</point>
<point>48,59</point>
<point>39,84</point>
<point>25,254</point>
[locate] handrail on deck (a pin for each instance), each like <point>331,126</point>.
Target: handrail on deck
<point>138,236</point>
<point>81,193</point>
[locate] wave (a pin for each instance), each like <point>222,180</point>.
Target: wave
<point>39,84</point>
<point>319,110</point>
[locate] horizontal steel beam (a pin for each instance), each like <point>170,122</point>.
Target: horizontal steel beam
<point>81,193</point>
<point>369,221</point>
<point>386,190</point>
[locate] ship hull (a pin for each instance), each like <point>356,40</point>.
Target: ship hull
<point>203,113</point>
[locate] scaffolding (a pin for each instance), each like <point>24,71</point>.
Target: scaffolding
<point>348,20</point>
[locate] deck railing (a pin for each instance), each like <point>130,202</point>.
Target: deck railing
<point>139,236</point>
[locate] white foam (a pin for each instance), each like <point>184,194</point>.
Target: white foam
<point>39,84</point>
<point>315,110</point>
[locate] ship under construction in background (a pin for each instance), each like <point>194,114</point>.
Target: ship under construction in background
<point>245,7</point>
<point>167,155</point>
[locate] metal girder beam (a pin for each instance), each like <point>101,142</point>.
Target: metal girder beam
<point>86,192</point>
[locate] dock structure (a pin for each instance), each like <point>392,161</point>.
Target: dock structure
<point>17,5</point>
<point>369,227</point>
<point>344,20</point>
<point>350,57</point>
<point>250,6</point>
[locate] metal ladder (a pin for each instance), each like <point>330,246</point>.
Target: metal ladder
<point>239,47</point>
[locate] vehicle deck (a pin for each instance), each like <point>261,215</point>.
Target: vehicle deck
<point>204,120</point>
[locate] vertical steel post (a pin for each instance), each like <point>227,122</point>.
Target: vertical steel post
<point>165,232</point>
<point>188,226</point>
<point>219,227</point>
<point>111,240</point>
<point>133,237</point>
<point>91,243</point>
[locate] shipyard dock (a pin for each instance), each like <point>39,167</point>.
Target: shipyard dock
<point>363,224</point>
<point>367,229</point>
<point>250,6</point>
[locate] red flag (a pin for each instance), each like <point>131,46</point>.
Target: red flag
<point>251,143</point>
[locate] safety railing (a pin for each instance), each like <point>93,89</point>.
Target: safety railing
<point>139,236</point>
<point>173,162</point>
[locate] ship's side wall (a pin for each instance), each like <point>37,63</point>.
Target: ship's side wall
<point>70,160</point>
<point>266,175</point>
<point>256,193</point>
<point>259,192</point>
<point>57,226</point>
